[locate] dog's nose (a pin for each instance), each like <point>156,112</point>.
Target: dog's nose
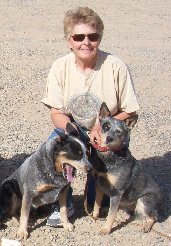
<point>109,139</point>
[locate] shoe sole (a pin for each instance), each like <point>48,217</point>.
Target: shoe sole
<point>54,225</point>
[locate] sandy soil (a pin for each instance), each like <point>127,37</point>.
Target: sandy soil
<point>31,38</point>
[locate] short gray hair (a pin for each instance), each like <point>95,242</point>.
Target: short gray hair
<point>83,15</point>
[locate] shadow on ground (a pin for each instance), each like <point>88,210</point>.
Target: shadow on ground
<point>159,167</point>
<point>8,166</point>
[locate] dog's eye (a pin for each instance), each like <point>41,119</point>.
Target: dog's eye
<point>80,153</point>
<point>117,131</point>
<point>106,127</point>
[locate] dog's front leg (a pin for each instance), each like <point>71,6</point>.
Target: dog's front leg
<point>97,203</point>
<point>63,211</point>
<point>114,205</point>
<point>25,210</point>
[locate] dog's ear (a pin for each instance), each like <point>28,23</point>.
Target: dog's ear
<point>61,135</point>
<point>131,121</point>
<point>104,111</point>
<point>71,130</point>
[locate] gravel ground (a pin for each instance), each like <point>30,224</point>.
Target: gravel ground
<point>31,38</point>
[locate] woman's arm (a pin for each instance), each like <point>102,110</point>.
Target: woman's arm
<point>59,118</point>
<point>123,115</point>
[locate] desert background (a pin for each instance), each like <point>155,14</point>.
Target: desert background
<point>31,39</point>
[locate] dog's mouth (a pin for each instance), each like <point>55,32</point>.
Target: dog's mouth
<point>69,172</point>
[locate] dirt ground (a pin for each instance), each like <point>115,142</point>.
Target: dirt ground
<point>31,38</point>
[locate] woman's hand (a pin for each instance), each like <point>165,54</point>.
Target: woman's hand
<point>95,134</point>
<point>123,115</point>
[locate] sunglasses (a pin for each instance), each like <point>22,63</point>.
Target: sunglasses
<point>93,37</point>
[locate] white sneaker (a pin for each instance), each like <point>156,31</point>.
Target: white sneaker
<point>54,219</point>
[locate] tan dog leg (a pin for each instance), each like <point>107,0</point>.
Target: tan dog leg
<point>149,221</point>
<point>114,205</point>
<point>63,211</point>
<point>97,204</point>
<point>25,210</point>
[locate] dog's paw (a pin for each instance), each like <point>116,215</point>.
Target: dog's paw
<point>147,225</point>
<point>15,221</point>
<point>22,234</point>
<point>68,226</point>
<point>104,231</point>
<point>146,228</point>
<point>95,215</point>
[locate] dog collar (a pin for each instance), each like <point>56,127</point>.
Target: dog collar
<point>104,148</point>
<point>100,148</point>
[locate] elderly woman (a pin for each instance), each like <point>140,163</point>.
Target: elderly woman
<point>80,81</point>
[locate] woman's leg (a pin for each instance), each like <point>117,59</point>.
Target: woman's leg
<point>54,134</point>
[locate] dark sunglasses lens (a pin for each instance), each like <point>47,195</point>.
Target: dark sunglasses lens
<point>93,37</point>
<point>78,37</point>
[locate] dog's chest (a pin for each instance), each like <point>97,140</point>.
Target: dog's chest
<point>118,170</point>
<point>113,160</point>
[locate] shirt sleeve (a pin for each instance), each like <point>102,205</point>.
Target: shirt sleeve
<point>127,100</point>
<point>53,94</point>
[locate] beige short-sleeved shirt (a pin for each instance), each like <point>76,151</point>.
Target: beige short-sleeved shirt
<point>81,95</point>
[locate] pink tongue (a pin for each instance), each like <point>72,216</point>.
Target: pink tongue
<point>69,173</point>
